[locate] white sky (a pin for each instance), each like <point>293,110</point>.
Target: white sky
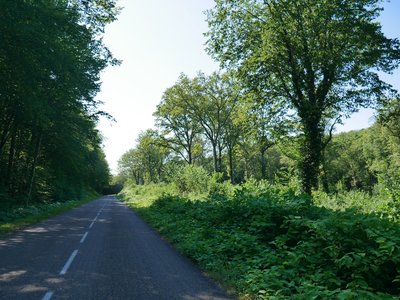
<point>157,40</point>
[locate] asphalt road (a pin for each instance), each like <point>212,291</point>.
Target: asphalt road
<point>101,250</point>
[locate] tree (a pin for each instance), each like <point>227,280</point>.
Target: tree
<point>232,132</point>
<point>152,155</point>
<point>389,115</point>
<point>316,57</point>
<point>212,104</point>
<point>50,64</point>
<point>266,126</point>
<point>389,118</point>
<point>130,166</point>
<point>345,163</point>
<point>96,14</point>
<point>173,117</point>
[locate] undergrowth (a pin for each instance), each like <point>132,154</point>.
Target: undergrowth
<point>18,217</point>
<point>268,244</point>
<point>144,195</point>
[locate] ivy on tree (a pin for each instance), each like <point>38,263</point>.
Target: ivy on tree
<point>318,58</point>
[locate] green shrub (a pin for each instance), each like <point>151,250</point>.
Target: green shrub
<point>191,179</point>
<point>218,188</point>
<point>144,195</point>
<point>266,243</point>
<point>14,218</point>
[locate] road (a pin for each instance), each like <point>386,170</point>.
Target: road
<point>101,250</point>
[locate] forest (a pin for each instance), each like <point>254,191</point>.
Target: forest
<point>244,173</point>
<point>51,56</point>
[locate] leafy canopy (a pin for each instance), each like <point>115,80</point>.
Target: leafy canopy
<point>317,58</point>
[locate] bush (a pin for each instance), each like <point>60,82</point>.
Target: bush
<point>17,217</point>
<point>191,179</point>
<point>144,195</point>
<point>359,200</point>
<point>266,243</point>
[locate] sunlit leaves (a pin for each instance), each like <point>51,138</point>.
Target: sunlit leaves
<point>318,57</point>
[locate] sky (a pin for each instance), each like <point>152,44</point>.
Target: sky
<point>156,41</point>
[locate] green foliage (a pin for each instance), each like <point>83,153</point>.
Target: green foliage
<point>300,56</point>
<point>51,56</point>
<point>144,195</point>
<point>268,244</point>
<point>145,163</point>
<point>173,116</point>
<point>367,160</point>
<point>218,188</point>
<point>15,218</point>
<point>295,69</point>
<point>389,115</point>
<point>361,201</point>
<point>191,179</point>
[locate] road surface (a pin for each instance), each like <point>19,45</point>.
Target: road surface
<point>101,250</point>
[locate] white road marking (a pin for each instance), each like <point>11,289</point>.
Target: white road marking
<point>97,216</point>
<point>84,237</point>
<point>68,263</point>
<point>48,295</point>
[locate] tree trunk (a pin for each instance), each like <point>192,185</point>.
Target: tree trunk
<point>11,155</point>
<point>5,134</point>
<point>190,155</point>
<point>215,158</point>
<point>263,164</point>
<point>324,178</point>
<point>312,153</point>
<point>33,167</point>
<point>220,159</point>
<point>231,171</point>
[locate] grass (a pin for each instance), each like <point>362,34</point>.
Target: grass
<point>144,195</point>
<point>265,243</point>
<point>17,218</point>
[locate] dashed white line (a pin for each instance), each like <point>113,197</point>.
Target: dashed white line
<point>84,237</point>
<point>48,295</point>
<point>68,263</point>
<point>64,270</point>
<point>95,219</point>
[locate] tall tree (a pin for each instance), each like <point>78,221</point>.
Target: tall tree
<point>130,166</point>
<point>152,155</point>
<point>214,100</point>
<point>389,115</point>
<point>50,64</point>
<point>173,117</point>
<point>318,58</point>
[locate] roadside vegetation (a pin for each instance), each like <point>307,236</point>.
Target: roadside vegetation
<point>266,242</point>
<point>266,239</point>
<point>19,217</point>
<point>244,173</point>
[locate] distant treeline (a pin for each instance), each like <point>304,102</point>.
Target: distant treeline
<point>366,160</point>
<point>51,56</point>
